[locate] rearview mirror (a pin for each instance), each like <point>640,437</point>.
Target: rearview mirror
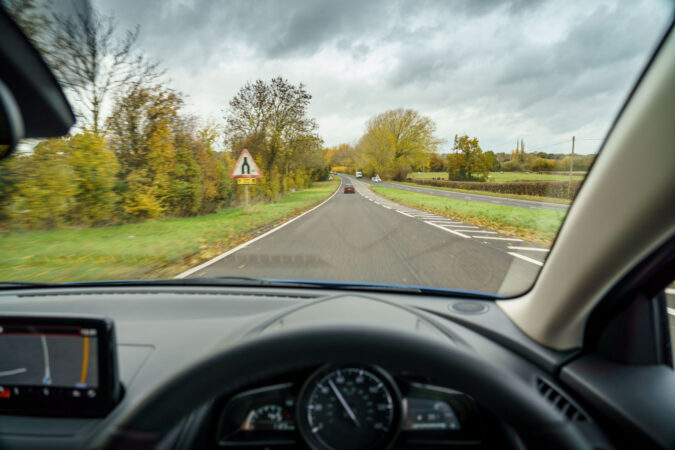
<point>11,122</point>
<point>32,104</point>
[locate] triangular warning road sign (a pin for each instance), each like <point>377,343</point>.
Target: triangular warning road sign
<point>245,167</point>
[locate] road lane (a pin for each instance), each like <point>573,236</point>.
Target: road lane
<point>506,201</point>
<point>353,238</point>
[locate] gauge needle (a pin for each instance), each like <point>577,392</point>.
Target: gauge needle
<point>344,403</point>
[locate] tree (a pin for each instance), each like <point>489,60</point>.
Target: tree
<point>468,161</point>
<point>94,168</point>
<point>396,140</point>
<point>216,185</point>
<point>542,165</point>
<point>436,163</point>
<point>522,149</point>
<point>271,120</point>
<point>91,60</point>
<point>265,116</point>
<point>45,193</point>
<point>493,161</point>
<point>159,174</point>
<point>135,117</point>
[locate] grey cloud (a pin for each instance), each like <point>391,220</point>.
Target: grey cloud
<point>445,56</point>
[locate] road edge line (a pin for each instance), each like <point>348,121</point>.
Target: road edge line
<point>224,255</point>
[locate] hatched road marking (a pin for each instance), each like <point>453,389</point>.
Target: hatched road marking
<point>501,238</point>
<point>457,227</point>
<point>525,258</point>
<point>448,230</point>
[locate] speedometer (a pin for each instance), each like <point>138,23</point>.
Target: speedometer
<point>349,408</point>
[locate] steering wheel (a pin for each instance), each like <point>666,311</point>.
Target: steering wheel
<point>537,422</point>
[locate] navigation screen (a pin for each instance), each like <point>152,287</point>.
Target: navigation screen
<point>48,357</point>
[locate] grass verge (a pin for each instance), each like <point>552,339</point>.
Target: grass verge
<point>160,249</point>
<point>537,225</point>
<point>501,177</point>
<point>562,201</point>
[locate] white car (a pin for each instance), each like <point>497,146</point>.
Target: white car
<point>359,174</point>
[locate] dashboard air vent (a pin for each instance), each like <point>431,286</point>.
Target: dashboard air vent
<point>553,395</point>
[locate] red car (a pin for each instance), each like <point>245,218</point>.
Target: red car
<point>349,189</point>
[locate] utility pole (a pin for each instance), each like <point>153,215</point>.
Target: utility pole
<point>569,186</point>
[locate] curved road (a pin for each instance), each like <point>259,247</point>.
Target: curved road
<point>364,238</point>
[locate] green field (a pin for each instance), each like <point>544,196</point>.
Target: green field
<point>159,249</point>
<point>532,224</point>
<point>507,176</point>
<point>535,198</point>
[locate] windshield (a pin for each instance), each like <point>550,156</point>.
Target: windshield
<point>436,144</point>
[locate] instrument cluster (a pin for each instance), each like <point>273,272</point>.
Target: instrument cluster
<point>348,407</point>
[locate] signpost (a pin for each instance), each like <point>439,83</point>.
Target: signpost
<point>246,171</point>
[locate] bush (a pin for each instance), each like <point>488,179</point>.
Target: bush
<point>401,172</point>
<point>512,166</point>
<point>556,189</point>
<point>542,165</point>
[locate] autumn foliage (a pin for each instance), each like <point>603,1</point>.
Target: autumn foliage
<point>153,162</point>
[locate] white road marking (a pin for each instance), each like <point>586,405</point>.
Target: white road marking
<point>670,291</point>
<point>257,238</point>
<point>530,249</point>
<point>485,232</point>
<point>525,258</point>
<point>501,238</point>
<point>449,231</point>
<point>385,206</point>
<point>671,311</point>
<point>405,214</point>
<point>464,227</point>
<point>8,373</point>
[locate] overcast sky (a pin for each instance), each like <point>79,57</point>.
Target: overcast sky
<point>542,71</point>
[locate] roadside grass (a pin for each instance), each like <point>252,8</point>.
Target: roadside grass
<point>531,224</point>
<point>499,177</point>
<point>562,201</point>
<point>160,249</point>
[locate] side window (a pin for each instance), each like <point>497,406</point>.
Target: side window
<point>670,308</point>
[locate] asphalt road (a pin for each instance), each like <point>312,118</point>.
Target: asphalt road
<point>507,201</point>
<point>364,238</point>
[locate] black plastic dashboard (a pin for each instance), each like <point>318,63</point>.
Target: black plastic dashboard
<point>163,330</point>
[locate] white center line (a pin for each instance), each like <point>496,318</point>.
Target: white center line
<point>486,232</point>
<point>463,227</point>
<point>525,258</point>
<point>449,231</point>
<point>531,249</point>
<point>671,311</point>
<point>670,291</point>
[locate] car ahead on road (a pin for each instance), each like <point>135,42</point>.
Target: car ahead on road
<point>349,189</point>
<point>578,358</point>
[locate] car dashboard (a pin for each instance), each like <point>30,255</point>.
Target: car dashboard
<point>161,331</point>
